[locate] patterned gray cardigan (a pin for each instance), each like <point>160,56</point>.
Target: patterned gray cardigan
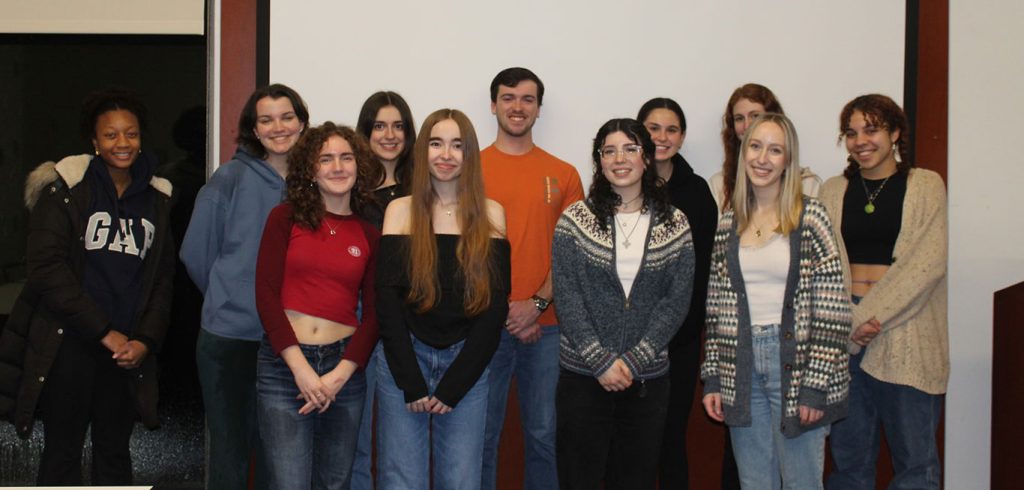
<point>816,322</point>
<point>598,323</point>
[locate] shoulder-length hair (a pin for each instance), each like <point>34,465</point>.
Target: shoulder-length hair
<point>881,112</point>
<point>602,200</point>
<point>364,126</point>
<point>246,138</point>
<point>474,248</point>
<point>731,141</point>
<point>790,202</point>
<point>304,161</point>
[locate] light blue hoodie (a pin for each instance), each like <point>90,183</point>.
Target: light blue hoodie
<point>223,240</point>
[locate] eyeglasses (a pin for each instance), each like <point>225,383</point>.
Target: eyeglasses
<point>609,153</point>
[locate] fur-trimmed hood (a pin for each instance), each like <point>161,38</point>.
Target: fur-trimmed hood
<point>71,170</point>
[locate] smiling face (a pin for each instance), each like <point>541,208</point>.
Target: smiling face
<point>743,113</point>
<point>871,146</point>
<point>765,157</point>
<point>444,151</point>
<point>277,125</point>
<point>622,163</point>
<point>667,133</point>
<point>336,169</point>
<point>387,135</point>
<point>517,108</point>
<point>117,139</point>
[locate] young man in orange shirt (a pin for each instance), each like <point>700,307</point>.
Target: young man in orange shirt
<point>534,187</point>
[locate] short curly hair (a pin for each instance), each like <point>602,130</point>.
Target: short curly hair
<point>303,161</point>
<point>882,112</point>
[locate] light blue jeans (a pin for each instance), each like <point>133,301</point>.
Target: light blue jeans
<point>766,458</point>
<point>536,369</point>
<point>408,441</point>
<point>362,476</point>
<point>313,450</point>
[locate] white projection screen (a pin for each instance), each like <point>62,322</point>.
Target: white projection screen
<point>598,60</point>
<point>102,16</point>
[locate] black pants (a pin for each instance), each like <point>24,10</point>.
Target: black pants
<point>684,369</point>
<point>609,436</point>
<point>85,387</point>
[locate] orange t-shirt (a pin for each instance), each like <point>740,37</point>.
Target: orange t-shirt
<point>534,188</point>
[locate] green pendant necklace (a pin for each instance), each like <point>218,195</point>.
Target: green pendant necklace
<point>870,206</point>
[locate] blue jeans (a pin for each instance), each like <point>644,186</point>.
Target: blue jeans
<point>227,376</point>
<point>408,441</point>
<point>313,450</point>
<point>362,475</point>
<point>766,458</point>
<point>536,369</point>
<point>910,418</point>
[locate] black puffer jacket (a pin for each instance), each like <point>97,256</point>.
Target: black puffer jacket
<point>54,301</point>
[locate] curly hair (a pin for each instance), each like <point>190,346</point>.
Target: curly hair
<point>246,138</point>
<point>602,199</point>
<point>731,141</point>
<point>882,112</point>
<point>105,100</point>
<point>474,248</point>
<point>364,126</point>
<point>303,162</point>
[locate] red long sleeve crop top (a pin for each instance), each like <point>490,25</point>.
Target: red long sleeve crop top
<point>323,273</point>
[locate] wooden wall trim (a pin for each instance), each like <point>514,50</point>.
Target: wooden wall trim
<point>238,61</point>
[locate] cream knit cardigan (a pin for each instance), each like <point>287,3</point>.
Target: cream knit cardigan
<point>910,300</point>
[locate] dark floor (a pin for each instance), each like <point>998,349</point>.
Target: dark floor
<point>170,457</point>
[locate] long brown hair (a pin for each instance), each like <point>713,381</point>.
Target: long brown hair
<point>474,248</point>
<point>731,141</point>
<point>303,193</point>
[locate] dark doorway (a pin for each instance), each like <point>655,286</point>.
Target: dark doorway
<point>44,79</point>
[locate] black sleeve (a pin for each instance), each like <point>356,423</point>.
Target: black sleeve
<point>392,314</point>
<point>48,260</point>
<point>484,335</point>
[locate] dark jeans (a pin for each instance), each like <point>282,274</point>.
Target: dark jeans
<point>684,367</point>
<point>227,375</point>
<point>85,387</point>
<point>313,450</point>
<point>910,418</point>
<point>614,437</point>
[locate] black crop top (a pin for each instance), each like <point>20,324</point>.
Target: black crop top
<point>442,326</point>
<point>870,238</point>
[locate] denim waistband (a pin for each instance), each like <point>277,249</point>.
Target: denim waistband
<point>771,330</point>
<point>325,349</point>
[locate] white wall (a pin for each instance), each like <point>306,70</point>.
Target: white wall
<point>102,16</point>
<point>598,59</point>
<point>986,171</point>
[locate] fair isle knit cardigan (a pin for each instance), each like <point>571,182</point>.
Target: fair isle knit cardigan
<point>598,322</point>
<point>816,319</point>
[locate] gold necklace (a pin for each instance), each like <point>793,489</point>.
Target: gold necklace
<point>447,208</point>
<point>870,206</point>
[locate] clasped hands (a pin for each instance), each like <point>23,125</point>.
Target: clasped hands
<point>128,354</point>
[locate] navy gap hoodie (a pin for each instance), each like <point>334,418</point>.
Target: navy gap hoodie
<point>118,234</point>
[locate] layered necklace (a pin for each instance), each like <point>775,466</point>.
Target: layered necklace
<point>623,225</point>
<point>870,206</point>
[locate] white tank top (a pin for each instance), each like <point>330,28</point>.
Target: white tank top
<point>765,270</point>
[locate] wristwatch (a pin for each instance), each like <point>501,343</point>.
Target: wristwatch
<point>541,303</point>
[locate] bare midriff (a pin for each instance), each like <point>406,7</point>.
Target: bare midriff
<point>313,330</point>
<point>865,276</point>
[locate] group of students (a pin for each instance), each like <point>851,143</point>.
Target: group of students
<point>314,242</point>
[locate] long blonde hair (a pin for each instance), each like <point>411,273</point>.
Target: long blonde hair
<point>474,248</point>
<point>790,202</point>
